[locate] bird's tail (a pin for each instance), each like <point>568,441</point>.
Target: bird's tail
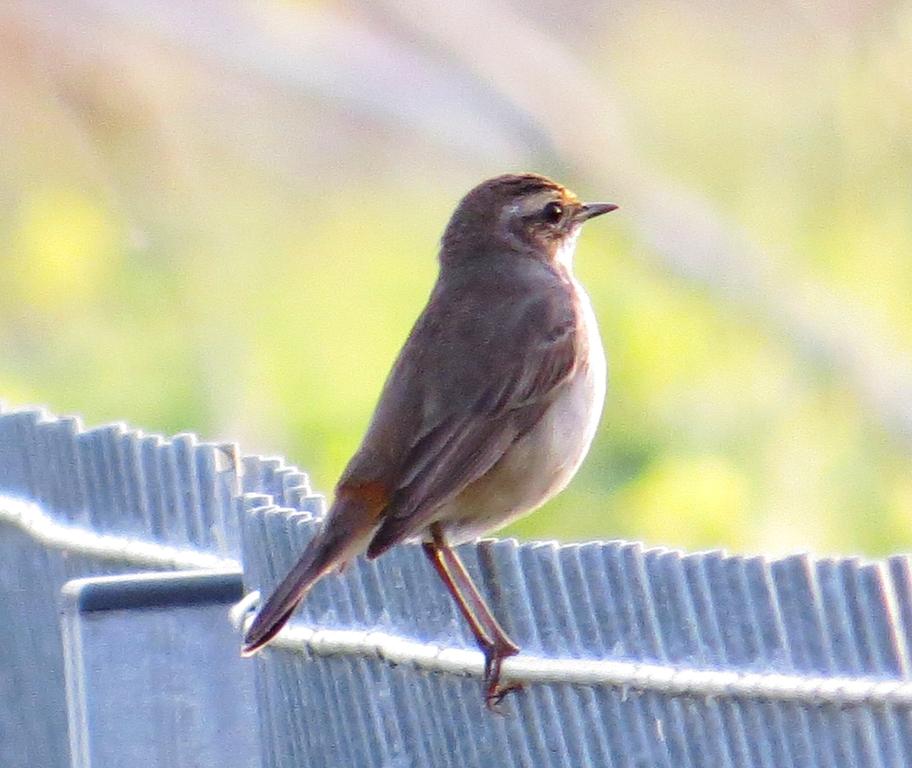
<point>344,534</point>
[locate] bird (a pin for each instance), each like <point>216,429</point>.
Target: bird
<point>487,412</point>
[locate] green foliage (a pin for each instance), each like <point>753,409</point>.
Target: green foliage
<point>194,290</point>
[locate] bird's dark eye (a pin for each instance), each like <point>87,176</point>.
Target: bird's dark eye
<point>552,212</point>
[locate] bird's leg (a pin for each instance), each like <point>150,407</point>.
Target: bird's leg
<point>490,636</point>
<point>435,555</point>
<point>502,646</point>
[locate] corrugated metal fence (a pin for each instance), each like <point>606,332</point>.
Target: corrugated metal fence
<point>631,657</point>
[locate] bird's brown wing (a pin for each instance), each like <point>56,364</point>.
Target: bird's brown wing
<point>493,380</point>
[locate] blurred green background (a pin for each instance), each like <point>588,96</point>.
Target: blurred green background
<point>222,217</point>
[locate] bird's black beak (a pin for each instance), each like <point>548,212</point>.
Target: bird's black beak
<point>591,210</point>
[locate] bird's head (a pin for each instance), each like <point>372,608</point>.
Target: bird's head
<point>523,215</point>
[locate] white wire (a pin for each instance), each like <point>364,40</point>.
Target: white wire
<point>43,528</point>
<point>661,678</point>
<point>319,641</point>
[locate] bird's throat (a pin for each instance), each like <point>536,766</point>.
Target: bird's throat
<point>563,255</point>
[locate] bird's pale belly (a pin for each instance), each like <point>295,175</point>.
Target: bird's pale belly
<point>539,465</point>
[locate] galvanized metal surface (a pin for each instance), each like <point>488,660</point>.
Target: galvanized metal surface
<point>111,481</point>
<point>803,619</point>
<point>676,627</point>
<point>154,677</point>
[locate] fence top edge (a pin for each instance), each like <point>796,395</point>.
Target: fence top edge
<point>44,417</point>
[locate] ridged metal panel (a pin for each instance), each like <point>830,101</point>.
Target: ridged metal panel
<point>115,480</point>
<point>109,480</point>
<point>601,601</point>
<point>614,600</point>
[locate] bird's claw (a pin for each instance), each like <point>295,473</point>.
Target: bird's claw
<point>495,655</point>
<point>495,696</point>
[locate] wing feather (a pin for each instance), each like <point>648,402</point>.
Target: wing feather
<point>522,368</point>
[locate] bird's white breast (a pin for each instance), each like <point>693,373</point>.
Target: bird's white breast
<point>566,430</point>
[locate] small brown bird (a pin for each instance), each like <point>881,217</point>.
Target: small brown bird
<point>488,411</point>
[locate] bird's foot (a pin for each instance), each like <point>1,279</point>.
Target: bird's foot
<point>495,654</point>
<point>495,696</point>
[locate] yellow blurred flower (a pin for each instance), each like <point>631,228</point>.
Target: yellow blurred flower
<point>64,248</point>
